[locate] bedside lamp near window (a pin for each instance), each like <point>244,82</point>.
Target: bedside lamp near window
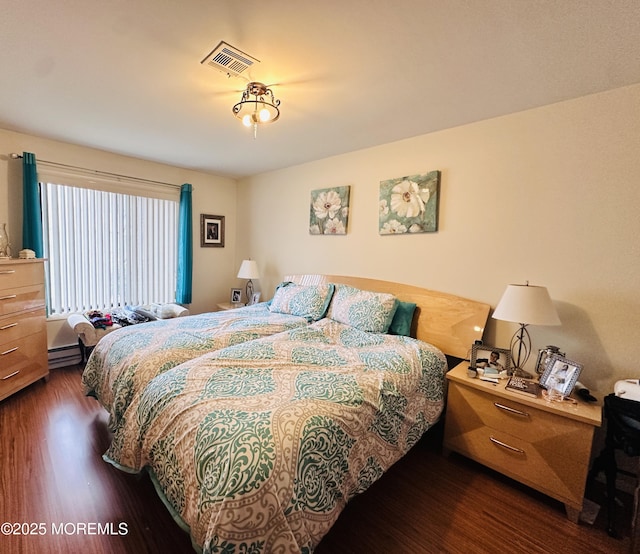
<point>249,270</point>
<point>526,305</point>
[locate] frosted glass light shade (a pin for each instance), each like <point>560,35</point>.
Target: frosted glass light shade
<point>249,270</point>
<point>527,305</point>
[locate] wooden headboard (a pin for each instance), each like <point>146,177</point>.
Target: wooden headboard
<point>450,322</point>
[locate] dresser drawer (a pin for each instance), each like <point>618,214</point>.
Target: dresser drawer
<point>22,362</point>
<point>21,274</point>
<point>16,326</point>
<point>21,299</point>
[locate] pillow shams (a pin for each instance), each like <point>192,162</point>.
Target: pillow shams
<point>364,310</point>
<point>309,301</point>
<point>402,319</point>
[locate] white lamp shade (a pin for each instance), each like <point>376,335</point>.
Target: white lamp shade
<point>248,270</point>
<point>528,305</point>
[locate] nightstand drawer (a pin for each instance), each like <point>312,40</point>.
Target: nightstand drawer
<point>552,434</point>
<point>544,465</point>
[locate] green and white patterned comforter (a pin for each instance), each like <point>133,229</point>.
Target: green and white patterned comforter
<point>258,447</point>
<point>124,361</point>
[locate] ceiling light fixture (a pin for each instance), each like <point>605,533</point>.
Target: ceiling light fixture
<point>257,106</point>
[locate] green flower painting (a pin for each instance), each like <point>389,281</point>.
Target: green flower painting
<point>409,204</point>
<point>329,211</point>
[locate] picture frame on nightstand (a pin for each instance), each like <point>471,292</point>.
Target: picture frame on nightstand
<point>236,296</point>
<point>560,375</point>
<point>484,356</point>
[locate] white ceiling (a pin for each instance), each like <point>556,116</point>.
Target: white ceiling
<point>125,75</point>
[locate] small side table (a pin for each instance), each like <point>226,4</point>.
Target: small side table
<point>544,445</point>
<point>228,306</point>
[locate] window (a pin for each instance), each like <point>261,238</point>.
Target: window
<point>107,249</point>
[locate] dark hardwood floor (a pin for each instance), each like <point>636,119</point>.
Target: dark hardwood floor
<point>61,496</point>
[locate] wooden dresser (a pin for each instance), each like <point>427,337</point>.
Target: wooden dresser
<point>545,445</point>
<point>23,334</point>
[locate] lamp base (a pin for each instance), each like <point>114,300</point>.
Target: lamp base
<point>520,350</point>
<point>249,292</point>
<point>519,372</point>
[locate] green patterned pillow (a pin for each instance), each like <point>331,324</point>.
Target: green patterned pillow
<point>310,301</point>
<point>364,310</point>
<point>402,319</point>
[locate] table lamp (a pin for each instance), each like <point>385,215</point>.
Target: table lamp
<point>527,305</point>
<point>249,270</point>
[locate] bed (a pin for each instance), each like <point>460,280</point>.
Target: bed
<point>124,361</point>
<point>258,446</point>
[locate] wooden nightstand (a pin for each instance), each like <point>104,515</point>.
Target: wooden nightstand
<point>545,445</point>
<point>229,306</point>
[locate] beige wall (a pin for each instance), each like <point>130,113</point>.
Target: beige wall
<point>213,273</point>
<point>549,195</point>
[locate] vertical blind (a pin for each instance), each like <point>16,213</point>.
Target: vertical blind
<point>107,250</point>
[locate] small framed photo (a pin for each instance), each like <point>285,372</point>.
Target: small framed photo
<point>560,375</point>
<point>488,357</point>
<point>236,296</point>
<point>255,298</point>
<point>212,230</point>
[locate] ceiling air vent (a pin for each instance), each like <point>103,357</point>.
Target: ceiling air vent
<point>228,59</point>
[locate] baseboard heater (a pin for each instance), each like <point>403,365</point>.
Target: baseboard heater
<point>64,356</point>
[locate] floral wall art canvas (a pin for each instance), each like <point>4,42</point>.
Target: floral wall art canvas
<point>329,211</point>
<point>409,204</point>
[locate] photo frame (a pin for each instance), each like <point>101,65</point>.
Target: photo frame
<point>236,296</point>
<point>212,230</point>
<point>482,354</point>
<point>255,298</point>
<point>560,375</point>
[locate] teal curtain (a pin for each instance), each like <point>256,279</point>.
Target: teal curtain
<point>31,207</point>
<point>185,247</point>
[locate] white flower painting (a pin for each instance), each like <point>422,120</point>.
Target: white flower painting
<point>409,204</point>
<point>329,211</point>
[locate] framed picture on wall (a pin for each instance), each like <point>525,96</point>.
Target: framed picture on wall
<point>329,211</point>
<point>212,230</point>
<point>409,204</point>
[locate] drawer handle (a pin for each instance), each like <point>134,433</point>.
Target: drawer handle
<point>8,297</point>
<point>505,445</point>
<point>7,271</point>
<point>510,410</point>
<point>9,351</point>
<point>4,328</point>
<point>11,375</point>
